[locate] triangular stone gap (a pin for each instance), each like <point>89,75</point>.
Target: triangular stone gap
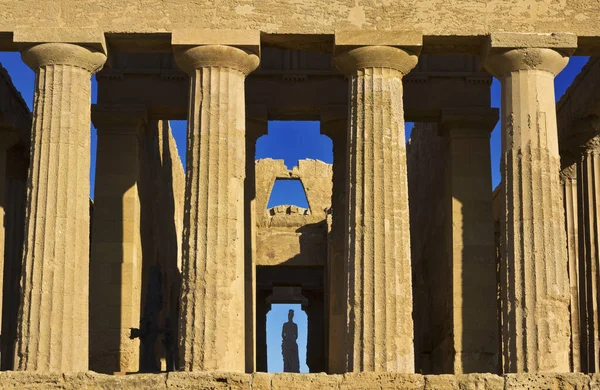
<point>289,192</point>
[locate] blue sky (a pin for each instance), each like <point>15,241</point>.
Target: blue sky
<point>289,141</point>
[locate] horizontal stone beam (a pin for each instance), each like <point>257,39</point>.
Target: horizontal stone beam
<point>448,25</point>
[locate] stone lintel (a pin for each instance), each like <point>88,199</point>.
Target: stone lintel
<point>248,40</point>
<point>476,121</point>
<point>122,118</point>
<point>346,40</point>
<point>565,42</point>
<point>92,38</point>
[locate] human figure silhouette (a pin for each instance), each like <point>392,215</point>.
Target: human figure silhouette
<point>289,347</point>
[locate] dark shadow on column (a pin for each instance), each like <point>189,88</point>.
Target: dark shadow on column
<point>315,340</point>
<point>106,254</point>
<point>262,309</point>
<point>14,222</point>
<point>160,248</point>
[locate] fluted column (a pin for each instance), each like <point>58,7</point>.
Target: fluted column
<point>52,332</point>
<point>212,318</point>
<point>534,282</point>
<point>588,171</point>
<point>379,326</point>
<point>472,344</point>
<point>116,248</point>
<point>334,124</point>
<point>568,179</point>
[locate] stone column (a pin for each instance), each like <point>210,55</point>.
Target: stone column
<point>473,343</point>
<point>379,325</point>
<point>534,282</point>
<point>116,253</point>
<point>568,179</point>
<point>256,126</point>
<point>213,306</point>
<point>588,170</point>
<point>52,333</point>
<point>334,124</point>
<point>14,222</point>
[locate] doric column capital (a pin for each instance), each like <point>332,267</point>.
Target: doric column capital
<point>592,145</point>
<point>55,53</point>
<point>119,118</point>
<point>353,60</point>
<point>468,122</point>
<point>191,58</point>
<point>569,173</point>
<point>510,52</point>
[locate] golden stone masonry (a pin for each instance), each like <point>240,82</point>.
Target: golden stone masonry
<point>413,272</point>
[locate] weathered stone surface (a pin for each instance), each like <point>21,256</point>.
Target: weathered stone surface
<point>534,285</point>
<point>547,381</point>
<point>208,380</point>
<point>93,381</point>
<point>212,305</point>
<point>480,382</point>
<point>378,265</point>
<point>451,18</point>
<point>382,380</point>
<point>261,381</point>
<point>301,381</point>
<point>52,332</point>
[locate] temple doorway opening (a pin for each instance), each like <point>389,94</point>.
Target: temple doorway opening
<point>286,352</point>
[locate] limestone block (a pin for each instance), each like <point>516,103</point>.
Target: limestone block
<point>305,381</point>
<point>441,382</point>
<point>571,381</point>
<point>480,382</point>
<point>93,381</point>
<point>208,380</point>
<point>31,380</point>
<point>382,380</point>
<point>261,381</point>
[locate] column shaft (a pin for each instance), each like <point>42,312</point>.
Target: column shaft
<point>589,249</point>
<point>534,282</point>
<point>52,332</point>
<point>379,326</point>
<point>569,181</point>
<point>336,129</point>
<point>472,253</point>
<point>256,126</point>
<point>116,252</point>
<point>212,321</point>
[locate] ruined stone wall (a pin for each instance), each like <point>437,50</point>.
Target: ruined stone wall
<point>430,246</point>
<point>292,235</point>
<point>263,381</point>
<point>161,192</point>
